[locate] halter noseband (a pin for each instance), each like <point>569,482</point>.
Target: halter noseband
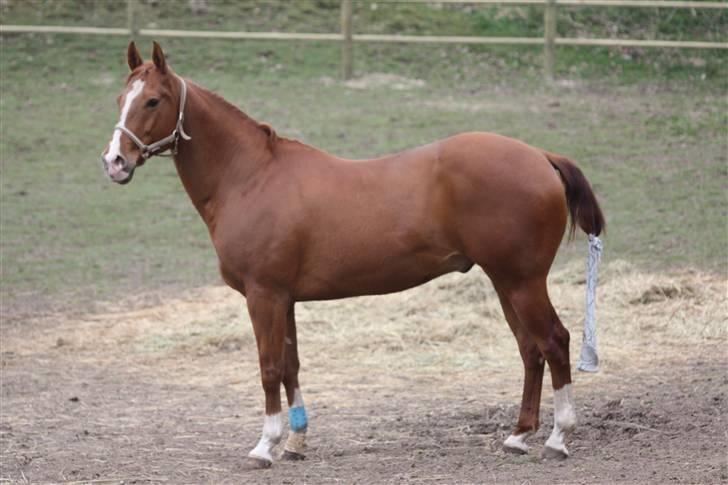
<point>159,146</point>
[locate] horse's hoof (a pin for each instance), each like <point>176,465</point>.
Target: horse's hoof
<point>550,453</point>
<point>255,463</point>
<point>292,456</point>
<point>513,450</point>
<point>516,445</point>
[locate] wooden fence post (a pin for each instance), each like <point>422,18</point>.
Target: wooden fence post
<point>131,19</point>
<point>346,45</point>
<point>549,33</point>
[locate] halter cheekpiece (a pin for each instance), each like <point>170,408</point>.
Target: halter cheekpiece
<point>158,147</point>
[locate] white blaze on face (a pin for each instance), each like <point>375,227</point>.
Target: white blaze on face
<point>115,144</point>
<point>272,433</point>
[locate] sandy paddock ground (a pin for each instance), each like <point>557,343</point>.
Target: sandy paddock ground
<point>420,386</point>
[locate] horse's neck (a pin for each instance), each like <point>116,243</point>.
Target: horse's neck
<point>227,148</point>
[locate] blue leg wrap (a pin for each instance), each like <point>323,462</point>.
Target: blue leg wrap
<point>297,418</point>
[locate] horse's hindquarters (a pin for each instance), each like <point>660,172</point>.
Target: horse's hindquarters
<point>507,203</point>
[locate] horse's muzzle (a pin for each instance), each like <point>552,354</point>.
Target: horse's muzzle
<point>118,170</point>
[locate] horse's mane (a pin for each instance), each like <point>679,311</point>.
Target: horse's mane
<point>227,104</point>
<point>273,137</point>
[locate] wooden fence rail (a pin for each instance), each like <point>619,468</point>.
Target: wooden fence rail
<point>347,37</point>
<point>590,3</point>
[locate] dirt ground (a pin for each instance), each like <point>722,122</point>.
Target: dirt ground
<point>421,386</point>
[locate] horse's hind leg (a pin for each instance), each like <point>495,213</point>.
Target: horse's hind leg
<point>297,421</point>
<point>533,365</point>
<point>532,306</point>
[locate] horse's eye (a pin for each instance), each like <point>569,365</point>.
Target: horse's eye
<point>152,103</point>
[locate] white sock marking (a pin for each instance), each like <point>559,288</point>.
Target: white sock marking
<point>517,442</point>
<point>564,419</point>
<point>272,433</point>
<point>115,144</point>
<point>297,398</point>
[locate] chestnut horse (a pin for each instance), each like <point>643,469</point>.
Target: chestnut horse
<point>293,223</point>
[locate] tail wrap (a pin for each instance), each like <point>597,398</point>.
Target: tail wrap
<point>586,213</point>
<point>589,358</point>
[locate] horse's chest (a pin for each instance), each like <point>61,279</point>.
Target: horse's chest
<point>255,253</point>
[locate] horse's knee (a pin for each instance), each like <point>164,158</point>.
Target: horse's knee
<point>532,357</point>
<point>270,376</point>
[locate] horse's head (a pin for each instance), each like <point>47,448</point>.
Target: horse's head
<point>150,122</point>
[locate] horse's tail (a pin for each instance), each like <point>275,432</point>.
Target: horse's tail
<point>583,206</point>
<point>585,211</point>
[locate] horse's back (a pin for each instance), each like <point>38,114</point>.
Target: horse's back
<point>496,157</point>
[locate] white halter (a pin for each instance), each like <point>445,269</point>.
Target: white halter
<point>159,146</point>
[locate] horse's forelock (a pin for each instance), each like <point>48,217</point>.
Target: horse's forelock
<point>140,72</point>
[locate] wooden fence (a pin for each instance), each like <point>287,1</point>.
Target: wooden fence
<point>347,37</point>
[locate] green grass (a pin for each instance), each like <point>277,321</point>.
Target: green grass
<point>651,138</point>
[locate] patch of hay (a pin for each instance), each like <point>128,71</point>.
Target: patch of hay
<point>450,326</point>
<point>661,293</point>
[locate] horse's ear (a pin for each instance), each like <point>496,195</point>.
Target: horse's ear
<point>133,58</point>
<point>158,57</point>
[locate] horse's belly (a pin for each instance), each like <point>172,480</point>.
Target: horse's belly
<point>381,277</point>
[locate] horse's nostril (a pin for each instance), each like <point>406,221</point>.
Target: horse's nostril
<point>119,162</point>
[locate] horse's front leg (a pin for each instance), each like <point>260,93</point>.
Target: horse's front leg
<point>298,422</point>
<point>269,314</point>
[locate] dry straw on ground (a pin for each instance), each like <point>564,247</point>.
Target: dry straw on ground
<point>451,325</point>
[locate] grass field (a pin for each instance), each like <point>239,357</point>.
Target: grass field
<point>650,132</point>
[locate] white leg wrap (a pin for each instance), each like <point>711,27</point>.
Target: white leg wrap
<point>517,443</point>
<point>272,433</point>
<point>564,420</point>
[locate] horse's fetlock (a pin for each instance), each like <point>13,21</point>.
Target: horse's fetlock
<point>564,412</point>
<point>529,428</point>
<point>566,419</point>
